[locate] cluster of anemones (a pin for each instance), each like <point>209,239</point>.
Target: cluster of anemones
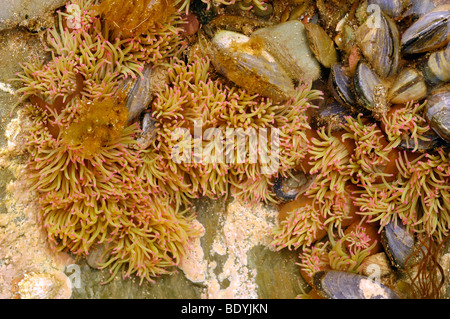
<point>193,107</point>
<point>84,164</point>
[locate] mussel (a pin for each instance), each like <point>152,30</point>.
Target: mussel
<point>331,116</point>
<point>433,141</point>
<point>139,93</point>
<point>288,188</point>
<point>321,45</point>
<point>437,111</point>
<point>418,8</point>
<point>397,242</point>
<point>378,40</point>
<point>436,69</point>
<point>288,43</point>
<point>341,86</point>
<point>334,284</point>
<point>408,85</point>
<point>248,64</point>
<point>393,8</point>
<point>148,131</point>
<point>365,82</point>
<point>430,31</point>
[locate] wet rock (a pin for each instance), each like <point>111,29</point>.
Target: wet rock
<point>28,13</point>
<point>54,285</point>
<point>278,277</point>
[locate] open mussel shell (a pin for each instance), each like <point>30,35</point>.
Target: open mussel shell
<point>288,188</point>
<point>341,85</point>
<point>139,93</point>
<point>334,284</point>
<point>245,62</point>
<point>408,85</point>
<point>430,31</point>
<point>365,80</point>
<point>378,40</point>
<point>397,242</point>
<point>436,69</point>
<point>437,111</point>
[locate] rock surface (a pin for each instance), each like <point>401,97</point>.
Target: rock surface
<point>33,14</point>
<point>224,263</point>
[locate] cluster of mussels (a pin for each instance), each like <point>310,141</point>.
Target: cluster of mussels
<point>128,86</point>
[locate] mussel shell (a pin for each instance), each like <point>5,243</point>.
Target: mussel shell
<point>430,31</point>
<point>341,85</point>
<point>288,188</point>
<point>148,131</point>
<point>437,111</point>
<point>255,70</point>
<point>288,43</point>
<point>433,142</point>
<point>408,85</point>
<point>378,40</point>
<point>334,284</point>
<point>436,69</point>
<point>397,242</point>
<point>332,116</point>
<point>418,8</point>
<point>364,82</point>
<point>392,8</point>
<point>321,45</point>
<point>139,94</point>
